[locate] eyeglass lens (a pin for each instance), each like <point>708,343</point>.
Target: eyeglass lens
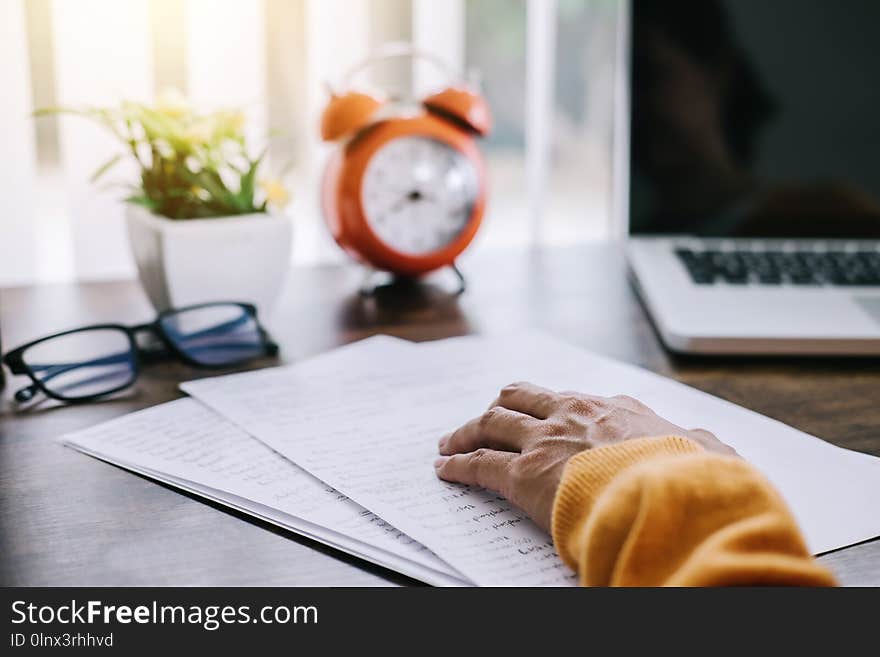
<point>216,334</point>
<point>83,363</point>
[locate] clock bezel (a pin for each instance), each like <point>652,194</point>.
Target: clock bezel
<point>343,203</point>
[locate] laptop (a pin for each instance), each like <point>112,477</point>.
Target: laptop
<point>748,171</point>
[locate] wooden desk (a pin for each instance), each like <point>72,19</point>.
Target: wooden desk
<point>67,519</point>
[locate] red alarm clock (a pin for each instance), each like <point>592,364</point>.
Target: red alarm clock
<point>405,189</point>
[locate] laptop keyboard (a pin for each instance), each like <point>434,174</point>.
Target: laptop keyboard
<point>737,267</point>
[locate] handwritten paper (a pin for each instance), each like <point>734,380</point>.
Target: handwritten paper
<point>295,524</point>
<point>362,424</point>
<point>250,461</point>
<point>368,425</point>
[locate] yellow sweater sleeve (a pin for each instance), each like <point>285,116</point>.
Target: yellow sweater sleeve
<point>664,512</point>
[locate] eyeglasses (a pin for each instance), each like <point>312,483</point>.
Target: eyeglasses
<point>84,364</point>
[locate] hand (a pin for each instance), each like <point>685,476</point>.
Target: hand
<point>521,444</point>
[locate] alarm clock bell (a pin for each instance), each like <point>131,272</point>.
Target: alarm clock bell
<point>404,191</point>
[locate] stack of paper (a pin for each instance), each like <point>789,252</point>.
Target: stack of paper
<point>340,448</point>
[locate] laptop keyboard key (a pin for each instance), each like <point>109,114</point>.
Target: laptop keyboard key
<point>775,267</point>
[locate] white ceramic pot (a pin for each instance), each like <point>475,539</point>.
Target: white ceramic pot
<point>183,262</point>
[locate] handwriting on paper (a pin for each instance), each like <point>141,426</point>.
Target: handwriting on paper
<point>186,440</point>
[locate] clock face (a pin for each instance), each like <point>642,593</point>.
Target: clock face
<point>418,194</point>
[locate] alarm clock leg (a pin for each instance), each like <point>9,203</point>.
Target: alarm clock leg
<point>377,279</point>
<point>462,283</point>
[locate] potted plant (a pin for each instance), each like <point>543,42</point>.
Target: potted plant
<point>201,223</point>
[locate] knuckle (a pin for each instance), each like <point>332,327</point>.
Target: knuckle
<point>479,456</point>
<point>511,390</point>
<point>512,387</point>
<point>489,416</point>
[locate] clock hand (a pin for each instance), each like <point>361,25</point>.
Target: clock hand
<point>398,204</point>
<point>412,197</point>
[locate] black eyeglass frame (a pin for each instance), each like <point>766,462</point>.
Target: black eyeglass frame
<point>14,359</point>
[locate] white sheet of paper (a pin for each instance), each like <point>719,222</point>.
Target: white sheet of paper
<point>368,426</point>
<point>187,445</point>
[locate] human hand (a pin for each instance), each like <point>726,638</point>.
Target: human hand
<point>520,446</point>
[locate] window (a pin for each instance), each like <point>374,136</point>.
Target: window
<point>546,66</point>
<point>495,47</point>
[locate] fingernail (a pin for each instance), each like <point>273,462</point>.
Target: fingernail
<point>440,461</point>
<point>443,441</point>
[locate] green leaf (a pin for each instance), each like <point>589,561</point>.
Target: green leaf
<point>104,168</point>
<point>142,200</point>
<point>157,126</point>
<point>248,183</point>
<point>222,200</point>
<point>182,172</point>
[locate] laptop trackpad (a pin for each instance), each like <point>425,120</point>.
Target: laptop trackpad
<point>871,305</point>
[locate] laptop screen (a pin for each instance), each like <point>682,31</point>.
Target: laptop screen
<point>755,118</point>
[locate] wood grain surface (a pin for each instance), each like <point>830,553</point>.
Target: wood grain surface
<point>67,519</point>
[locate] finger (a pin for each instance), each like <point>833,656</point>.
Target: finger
<point>485,467</point>
<point>528,398</point>
<point>498,428</point>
